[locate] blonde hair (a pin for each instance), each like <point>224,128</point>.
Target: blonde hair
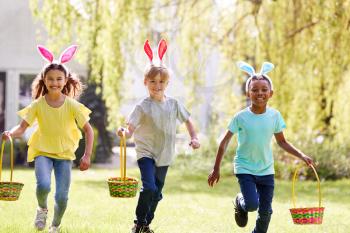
<point>152,71</point>
<point>73,87</point>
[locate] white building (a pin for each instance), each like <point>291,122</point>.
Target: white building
<point>19,60</point>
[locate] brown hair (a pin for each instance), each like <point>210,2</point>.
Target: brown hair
<point>152,71</point>
<point>73,87</point>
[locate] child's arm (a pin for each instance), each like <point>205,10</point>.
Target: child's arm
<point>194,140</point>
<point>89,140</point>
<point>16,131</point>
<point>285,145</point>
<point>128,131</point>
<point>214,176</point>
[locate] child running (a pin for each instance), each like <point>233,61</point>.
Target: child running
<point>153,123</point>
<point>253,163</point>
<point>53,144</point>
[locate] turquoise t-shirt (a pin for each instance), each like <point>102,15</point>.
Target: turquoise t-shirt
<point>254,133</point>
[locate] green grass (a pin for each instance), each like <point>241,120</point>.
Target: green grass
<point>189,205</point>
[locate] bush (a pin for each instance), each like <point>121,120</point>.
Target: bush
<point>19,152</point>
<point>81,149</point>
<point>332,162</point>
<point>203,159</point>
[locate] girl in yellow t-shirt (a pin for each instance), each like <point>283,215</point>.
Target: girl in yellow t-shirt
<point>56,138</point>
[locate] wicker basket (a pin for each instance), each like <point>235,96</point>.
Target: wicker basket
<point>310,215</point>
<point>122,186</point>
<point>9,191</point>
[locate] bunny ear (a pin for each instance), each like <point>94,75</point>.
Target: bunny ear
<point>68,54</point>
<point>148,51</point>
<point>45,53</point>
<point>246,67</point>
<point>162,47</point>
<point>266,67</point>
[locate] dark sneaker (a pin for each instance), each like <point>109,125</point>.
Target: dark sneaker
<point>141,229</point>
<point>146,229</point>
<point>241,216</point>
<point>136,229</point>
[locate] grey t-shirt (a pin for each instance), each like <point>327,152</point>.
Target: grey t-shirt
<point>155,128</point>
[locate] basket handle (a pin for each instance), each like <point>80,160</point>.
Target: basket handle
<point>1,156</point>
<point>318,185</point>
<point>123,156</point>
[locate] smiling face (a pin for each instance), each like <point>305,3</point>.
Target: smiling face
<point>55,80</point>
<point>259,93</point>
<point>156,80</point>
<point>156,87</point>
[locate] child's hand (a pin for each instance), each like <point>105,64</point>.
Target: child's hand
<point>213,177</point>
<point>84,162</point>
<point>308,160</point>
<point>120,132</point>
<point>195,143</point>
<point>6,135</point>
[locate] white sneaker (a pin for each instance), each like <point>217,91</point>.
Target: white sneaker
<point>54,229</point>
<point>40,219</point>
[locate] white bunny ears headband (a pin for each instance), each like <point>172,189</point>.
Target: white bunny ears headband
<point>265,68</point>
<point>65,56</point>
<point>162,47</point>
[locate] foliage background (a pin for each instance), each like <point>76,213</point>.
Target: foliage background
<point>306,40</point>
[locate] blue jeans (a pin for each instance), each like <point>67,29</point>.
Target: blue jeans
<point>257,194</point>
<point>153,178</point>
<point>62,169</point>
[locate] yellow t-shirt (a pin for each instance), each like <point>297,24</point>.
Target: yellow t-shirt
<point>57,135</point>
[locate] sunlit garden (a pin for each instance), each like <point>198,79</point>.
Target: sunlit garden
<point>199,42</point>
<point>189,205</point>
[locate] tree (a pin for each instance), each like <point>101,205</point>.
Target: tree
<point>97,27</point>
<point>306,40</point>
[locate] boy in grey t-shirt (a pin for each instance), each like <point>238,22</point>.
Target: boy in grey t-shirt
<point>153,123</point>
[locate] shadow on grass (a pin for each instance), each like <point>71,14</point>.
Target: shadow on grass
<point>333,191</point>
<point>195,182</point>
<point>93,184</point>
<point>178,182</point>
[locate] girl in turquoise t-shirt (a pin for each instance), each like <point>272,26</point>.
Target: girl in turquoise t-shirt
<point>253,163</point>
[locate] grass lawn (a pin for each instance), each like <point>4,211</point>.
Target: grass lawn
<point>189,205</point>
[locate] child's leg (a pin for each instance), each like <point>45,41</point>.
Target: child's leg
<point>62,169</point>
<point>160,179</point>
<point>43,168</point>
<point>147,169</point>
<point>249,202</point>
<point>265,188</point>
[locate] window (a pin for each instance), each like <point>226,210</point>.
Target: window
<point>25,89</point>
<point>2,100</point>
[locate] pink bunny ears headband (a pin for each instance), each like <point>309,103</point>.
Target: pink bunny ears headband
<point>265,68</point>
<point>65,56</point>
<point>162,47</point>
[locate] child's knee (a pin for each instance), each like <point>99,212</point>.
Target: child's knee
<point>43,187</point>
<point>157,196</point>
<point>61,200</point>
<point>265,213</point>
<point>251,205</point>
<point>149,186</point>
